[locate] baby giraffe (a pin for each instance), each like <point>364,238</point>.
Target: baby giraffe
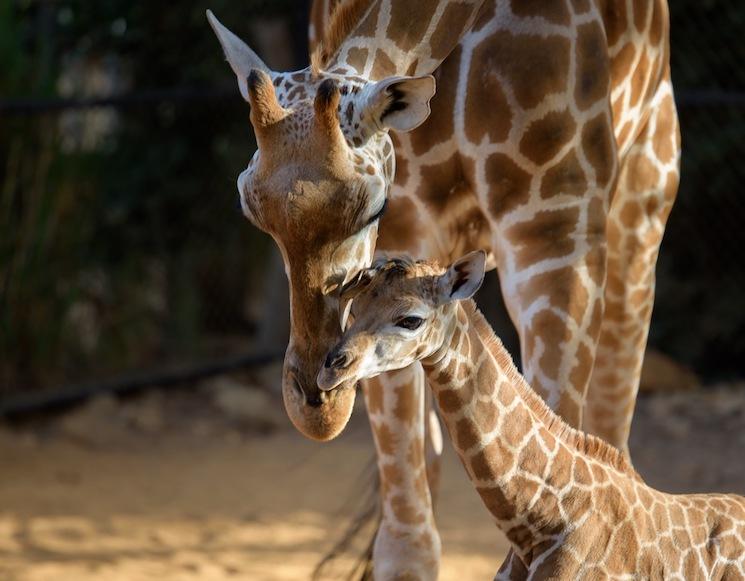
<point>570,504</point>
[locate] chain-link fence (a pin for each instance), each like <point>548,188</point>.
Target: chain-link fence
<point>121,243</point>
<point>123,246</point>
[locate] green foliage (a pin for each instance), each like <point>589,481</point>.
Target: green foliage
<point>10,54</point>
<point>126,245</point>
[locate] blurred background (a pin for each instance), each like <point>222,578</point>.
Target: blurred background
<point>126,266</point>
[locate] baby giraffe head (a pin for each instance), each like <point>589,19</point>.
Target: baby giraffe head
<point>402,311</point>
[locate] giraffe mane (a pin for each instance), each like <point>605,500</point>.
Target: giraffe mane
<point>345,16</point>
<point>586,444</point>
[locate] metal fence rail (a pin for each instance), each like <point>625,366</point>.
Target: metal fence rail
<point>23,403</point>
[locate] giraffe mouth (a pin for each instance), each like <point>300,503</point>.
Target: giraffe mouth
<point>329,381</point>
<point>337,371</point>
<point>319,415</point>
<point>333,380</point>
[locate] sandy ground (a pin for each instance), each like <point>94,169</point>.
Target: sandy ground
<point>213,483</point>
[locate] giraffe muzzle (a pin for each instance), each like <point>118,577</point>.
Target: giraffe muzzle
<point>335,370</point>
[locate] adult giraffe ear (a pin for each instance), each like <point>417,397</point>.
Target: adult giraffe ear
<point>350,290</point>
<point>463,278</point>
<point>400,103</point>
<point>240,58</point>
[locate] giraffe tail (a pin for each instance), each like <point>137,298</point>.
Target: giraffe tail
<point>357,539</point>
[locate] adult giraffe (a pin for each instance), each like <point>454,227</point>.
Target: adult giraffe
<point>552,142</point>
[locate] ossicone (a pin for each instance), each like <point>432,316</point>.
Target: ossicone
<point>265,108</point>
<point>326,105</point>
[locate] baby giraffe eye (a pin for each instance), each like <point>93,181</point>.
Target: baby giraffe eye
<point>410,323</point>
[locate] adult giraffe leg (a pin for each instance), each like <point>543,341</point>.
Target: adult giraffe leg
<point>544,178</point>
<point>432,445</point>
<point>552,267</point>
<point>648,183</point>
<point>407,545</point>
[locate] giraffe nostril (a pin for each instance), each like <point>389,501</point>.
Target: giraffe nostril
<point>336,360</point>
<point>315,400</point>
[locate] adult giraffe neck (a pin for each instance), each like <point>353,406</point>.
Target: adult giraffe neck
<point>520,456</point>
<point>381,38</point>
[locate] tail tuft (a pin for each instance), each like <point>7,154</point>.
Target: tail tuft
<point>361,531</point>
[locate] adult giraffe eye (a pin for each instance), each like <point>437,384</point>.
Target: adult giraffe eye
<point>410,323</point>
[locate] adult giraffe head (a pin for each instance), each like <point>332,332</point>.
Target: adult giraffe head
<point>325,162</point>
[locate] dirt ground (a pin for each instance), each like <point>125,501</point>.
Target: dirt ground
<point>213,483</point>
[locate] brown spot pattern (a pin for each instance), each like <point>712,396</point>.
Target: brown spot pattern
<point>658,25</point>
<point>615,19</point>
<point>554,11</point>
<point>404,511</point>
<point>509,184</point>
<point>405,406</point>
<point>466,434</point>
<point>438,127</point>
<point>663,144</point>
<point>547,235</point>
<point>565,177</point>
<point>597,143</point>
<point>592,65</point>
<point>399,227</point>
<point>385,438</point>
<point>485,15</point>
<point>453,18</point>
<point>408,23</point>
<point>383,66</point>
<point>487,113</point>
<point>532,458</point>
<point>641,10</point>
<point>640,80</point>
<point>496,502</point>
<point>511,55</point>
<point>544,137</point>
<point>436,186</point>
<point>357,57</point>
<point>492,459</point>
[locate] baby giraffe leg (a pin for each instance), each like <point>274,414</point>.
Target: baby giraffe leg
<point>407,545</point>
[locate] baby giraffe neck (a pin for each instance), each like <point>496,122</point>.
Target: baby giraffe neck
<point>520,456</point>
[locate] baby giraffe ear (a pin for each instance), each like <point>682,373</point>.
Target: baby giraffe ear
<point>463,278</point>
<point>400,103</point>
